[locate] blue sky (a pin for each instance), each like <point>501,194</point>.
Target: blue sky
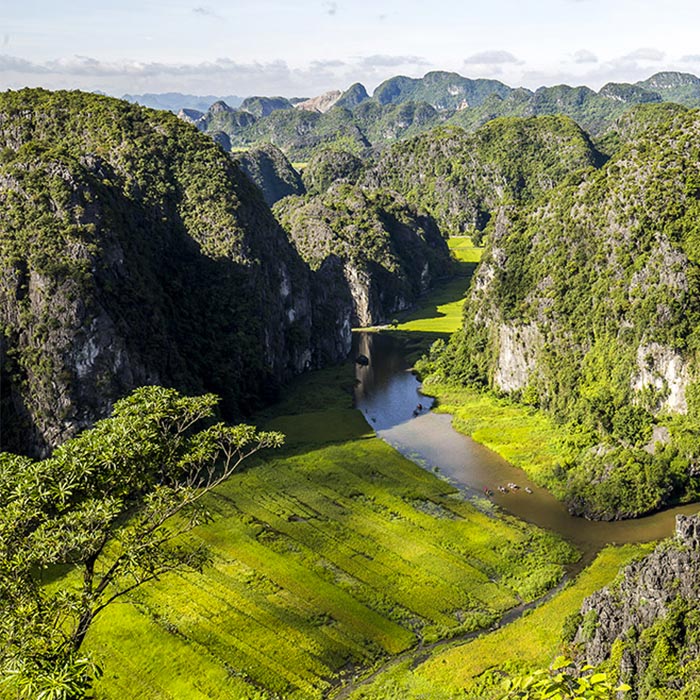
<point>307,47</point>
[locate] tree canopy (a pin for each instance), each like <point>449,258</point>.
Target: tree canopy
<point>103,515</point>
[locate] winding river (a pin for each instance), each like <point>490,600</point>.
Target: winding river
<point>388,393</point>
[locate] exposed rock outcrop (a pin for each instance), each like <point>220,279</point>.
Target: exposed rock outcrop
<point>517,353</point>
<point>373,249</point>
<point>663,370</point>
<point>322,103</point>
<point>651,606</point>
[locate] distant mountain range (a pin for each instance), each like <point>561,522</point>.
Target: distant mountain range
<point>401,107</point>
<point>175,101</point>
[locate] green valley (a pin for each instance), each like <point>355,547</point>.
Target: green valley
<point>533,257</point>
<point>327,560</point>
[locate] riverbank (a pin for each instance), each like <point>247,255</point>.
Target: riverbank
<point>523,436</point>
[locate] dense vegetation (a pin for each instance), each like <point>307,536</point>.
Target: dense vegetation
<point>402,107</point>
<point>268,168</point>
<point>104,515</point>
<point>462,178</point>
<point>585,305</point>
<point>329,165</point>
<point>134,251</point>
<point>372,248</point>
<point>326,558</point>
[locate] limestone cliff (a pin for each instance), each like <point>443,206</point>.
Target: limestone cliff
<point>585,304</point>
<point>645,626</point>
<point>134,251</point>
<point>376,251</point>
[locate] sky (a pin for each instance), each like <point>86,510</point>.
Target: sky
<point>304,48</point>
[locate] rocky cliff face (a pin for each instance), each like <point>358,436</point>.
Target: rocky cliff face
<point>373,249</point>
<point>586,302</point>
<point>322,103</point>
<point>518,346</point>
<point>133,251</point>
<point>645,626</point>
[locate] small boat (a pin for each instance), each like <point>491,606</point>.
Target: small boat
<point>528,489</point>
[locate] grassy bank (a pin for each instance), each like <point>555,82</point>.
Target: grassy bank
<point>440,313</point>
<point>525,437</point>
<point>328,557</point>
<point>475,669</point>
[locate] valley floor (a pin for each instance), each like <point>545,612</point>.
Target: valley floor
<point>335,555</point>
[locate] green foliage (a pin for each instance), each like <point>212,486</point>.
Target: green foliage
<point>596,283</point>
<point>268,168</point>
<point>133,249</point>
<point>98,519</point>
<point>403,107</point>
<point>372,247</point>
<point>328,165</point>
<point>563,682</point>
<point>461,178</point>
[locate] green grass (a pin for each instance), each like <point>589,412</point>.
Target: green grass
<point>474,669</point>
<point>441,312</point>
<point>329,557</point>
<point>522,435</point>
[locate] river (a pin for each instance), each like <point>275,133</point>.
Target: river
<point>388,393</point>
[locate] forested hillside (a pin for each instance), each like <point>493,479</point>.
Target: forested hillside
<point>586,305</point>
<point>371,247</point>
<point>462,178</point>
<point>403,107</point>
<point>132,251</point>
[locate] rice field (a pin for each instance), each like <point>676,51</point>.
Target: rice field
<point>475,670</point>
<point>328,558</point>
<point>441,312</point>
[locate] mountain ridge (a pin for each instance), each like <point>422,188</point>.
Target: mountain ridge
<point>401,107</point>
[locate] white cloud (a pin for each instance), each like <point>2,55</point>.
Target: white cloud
<point>492,58</point>
<point>331,8</point>
<point>386,61</point>
<point>644,54</point>
<point>204,11</point>
<point>585,56</point>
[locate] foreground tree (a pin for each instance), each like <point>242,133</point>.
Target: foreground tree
<point>563,681</point>
<point>111,506</point>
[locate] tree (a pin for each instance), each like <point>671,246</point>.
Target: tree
<point>103,515</point>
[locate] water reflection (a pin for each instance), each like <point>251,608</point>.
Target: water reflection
<point>388,393</point>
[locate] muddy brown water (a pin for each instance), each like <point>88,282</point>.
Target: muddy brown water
<point>388,394</point>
